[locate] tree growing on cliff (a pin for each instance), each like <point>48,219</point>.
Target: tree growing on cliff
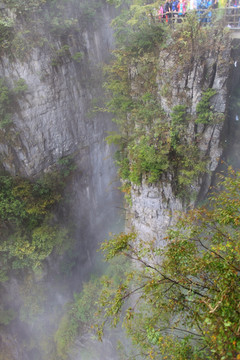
<point>182,302</point>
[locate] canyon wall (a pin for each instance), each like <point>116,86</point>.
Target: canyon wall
<point>155,207</point>
<point>54,117</point>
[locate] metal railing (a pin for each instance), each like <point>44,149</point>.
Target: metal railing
<point>230,16</point>
<point>224,17</point>
<point>171,17</point>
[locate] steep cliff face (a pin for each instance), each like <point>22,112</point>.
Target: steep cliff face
<point>50,120</point>
<point>53,118</point>
<point>155,207</point>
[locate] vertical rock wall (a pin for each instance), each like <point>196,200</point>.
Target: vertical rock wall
<point>54,117</point>
<point>155,207</point>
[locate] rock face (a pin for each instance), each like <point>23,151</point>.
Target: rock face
<point>51,119</point>
<point>54,118</point>
<point>155,207</point>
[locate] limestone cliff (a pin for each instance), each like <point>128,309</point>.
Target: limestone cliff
<point>154,206</point>
<point>51,119</point>
<point>61,68</point>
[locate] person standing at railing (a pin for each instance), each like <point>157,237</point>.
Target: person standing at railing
<point>209,13</point>
<point>202,11</point>
<point>160,13</point>
<point>175,9</point>
<point>174,6</point>
<point>166,10</point>
<point>181,9</point>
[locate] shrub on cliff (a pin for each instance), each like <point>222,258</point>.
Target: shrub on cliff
<point>8,100</point>
<point>80,315</point>
<point>182,302</point>
<point>29,232</point>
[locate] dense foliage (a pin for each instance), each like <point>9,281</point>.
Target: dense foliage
<point>29,232</point>
<point>183,300</point>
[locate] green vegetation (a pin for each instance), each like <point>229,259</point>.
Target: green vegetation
<point>6,316</point>
<point>78,56</point>
<point>182,307</point>
<point>32,229</point>
<point>138,16</point>
<point>24,5</point>
<point>150,142</point>
<point>8,98</point>
<point>5,102</point>
<point>77,319</point>
<point>60,26</point>
<point>6,32</point>
<point>140,119</point>
<point>28,230</point>
<point>182,302</point>
<point>80,315</point>
<point>21,44</point>
<point>62,19</point>
<point>60,54</point>
<point>20,87</point>
<point>204,110</point>
<point>65,335</point>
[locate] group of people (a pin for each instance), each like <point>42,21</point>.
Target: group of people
<point>176,9</point>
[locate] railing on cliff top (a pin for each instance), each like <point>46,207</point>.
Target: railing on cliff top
<point>232,17</point>
<point>229,15</point>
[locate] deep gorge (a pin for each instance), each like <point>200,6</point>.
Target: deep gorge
<point>174,96</point>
